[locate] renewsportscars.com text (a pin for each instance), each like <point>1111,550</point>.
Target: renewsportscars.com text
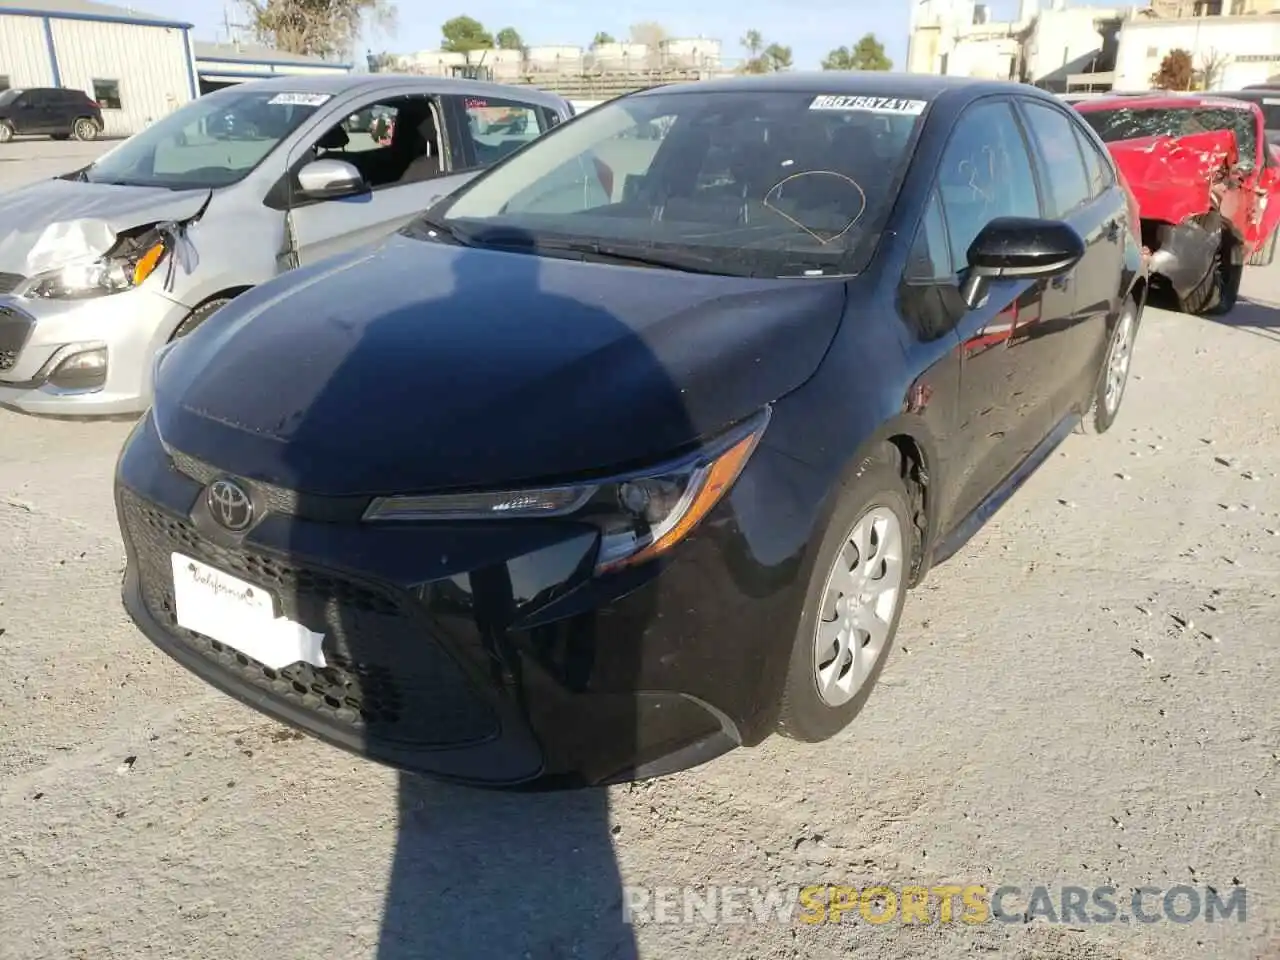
<point>970,904</point>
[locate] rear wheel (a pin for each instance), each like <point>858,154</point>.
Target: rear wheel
<point>1109,393</point>
<point>852,606</point>
<point>84,129</point>
<point>6,131</point>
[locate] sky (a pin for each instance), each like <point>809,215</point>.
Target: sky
<point>810,27</point>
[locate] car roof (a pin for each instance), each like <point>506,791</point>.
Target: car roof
<point>1162,101</point>
<point>373,82</point>
<point>856,83</point>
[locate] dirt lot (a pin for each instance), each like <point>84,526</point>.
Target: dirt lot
<point>1084,696</point>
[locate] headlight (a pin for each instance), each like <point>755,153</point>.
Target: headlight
<point>640,515</point>
<point>123,269</point>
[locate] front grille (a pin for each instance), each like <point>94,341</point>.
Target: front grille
<point>327,509</point>
<point>386,678</point>
<point>15,328</point>
<point>9,282</point>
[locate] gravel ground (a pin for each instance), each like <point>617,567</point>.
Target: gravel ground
<point>1084,696</point>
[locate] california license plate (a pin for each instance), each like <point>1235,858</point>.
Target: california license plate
<point>239,615</point>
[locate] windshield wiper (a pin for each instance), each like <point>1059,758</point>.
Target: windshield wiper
<point>423,227</point>
<point>642,257</point>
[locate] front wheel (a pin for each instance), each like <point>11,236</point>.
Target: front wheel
<point>198,316</point>
<point>852,606</point>
<point>1109,392</point>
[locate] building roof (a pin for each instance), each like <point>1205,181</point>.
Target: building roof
<point>253,54</point>
<point>86,10</point>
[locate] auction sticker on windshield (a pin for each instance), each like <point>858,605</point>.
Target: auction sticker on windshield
<point>896,105</point>
<point>300,99</point>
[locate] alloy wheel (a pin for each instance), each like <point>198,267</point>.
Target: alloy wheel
<point>858,604</point>
<point>1118,361</point>
<point>85,130</point>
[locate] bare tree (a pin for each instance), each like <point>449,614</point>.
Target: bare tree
<point>651,35</point>
<point>321,28</point>
<point>1212,66</point>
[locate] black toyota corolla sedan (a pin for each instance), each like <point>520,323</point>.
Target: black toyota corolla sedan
<point>628,452</point>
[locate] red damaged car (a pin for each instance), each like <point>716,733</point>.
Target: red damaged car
<point>1207,185</point>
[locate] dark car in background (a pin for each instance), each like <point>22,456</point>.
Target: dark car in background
<point>628,452</point>
<point>57,112</point>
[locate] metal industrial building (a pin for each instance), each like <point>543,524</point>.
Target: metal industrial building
<point>222,64</point>
<point>137,67</point>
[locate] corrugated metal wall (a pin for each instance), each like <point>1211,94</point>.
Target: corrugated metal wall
<point>24,52</point>
<point>149,63</point>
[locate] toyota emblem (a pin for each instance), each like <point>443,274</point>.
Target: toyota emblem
<point>230,505</point>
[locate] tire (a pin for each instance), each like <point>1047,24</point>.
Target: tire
<point>1207,296</point>
<point>1108,394</point>
<point>875,497</point>
<point>84,129</point>
<point>198,316</point>
<point>6,131</point>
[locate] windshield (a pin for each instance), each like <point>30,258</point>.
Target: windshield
<point>1125,124</point>
<point>211,142</point>
<point>750,183</point>
<point>8,96</point>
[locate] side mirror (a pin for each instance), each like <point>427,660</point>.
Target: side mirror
<point>1023,248</point>
<point>330,180</point>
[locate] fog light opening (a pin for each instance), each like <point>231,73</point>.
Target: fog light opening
<point>81,371</point>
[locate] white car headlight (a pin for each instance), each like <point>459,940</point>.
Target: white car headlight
<point>640,515</point>
<point>113,273</point>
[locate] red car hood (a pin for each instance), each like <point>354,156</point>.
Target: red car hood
<point>1171,176</point>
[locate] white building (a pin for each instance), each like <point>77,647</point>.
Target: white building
<point>222,64</point>
<point>1240,50</point>
<point>1049,46</point>
<point>137,67</point>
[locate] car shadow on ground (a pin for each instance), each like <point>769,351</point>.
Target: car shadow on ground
<point>1258,317</point>
<point>479,873</point>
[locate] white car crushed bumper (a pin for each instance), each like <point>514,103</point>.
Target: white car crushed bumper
<point>88,357</point>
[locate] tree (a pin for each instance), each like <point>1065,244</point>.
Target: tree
<point>509,39</point>
<point>602,38</point>
<point>651,35</point>
<point>867,54</point>
<point>1177,72</point>
<point>1212,66</point>
<point>753,43</point>
<point>317,28</point>
<point>464,34</point>
<point>762,58</point>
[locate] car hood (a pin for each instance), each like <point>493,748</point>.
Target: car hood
<point>50,223</point>
<point>417,366</point>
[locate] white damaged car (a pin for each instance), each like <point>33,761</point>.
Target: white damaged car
<point>101,267</point>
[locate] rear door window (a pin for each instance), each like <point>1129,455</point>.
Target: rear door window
<point>495,128</point>
<point>1065,181</point>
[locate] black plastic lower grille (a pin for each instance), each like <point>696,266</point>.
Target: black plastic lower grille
<point>14,331</point>
<point>386,676</point>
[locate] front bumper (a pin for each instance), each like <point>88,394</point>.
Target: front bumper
<point>486,654</point>
<point>37,336</point>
